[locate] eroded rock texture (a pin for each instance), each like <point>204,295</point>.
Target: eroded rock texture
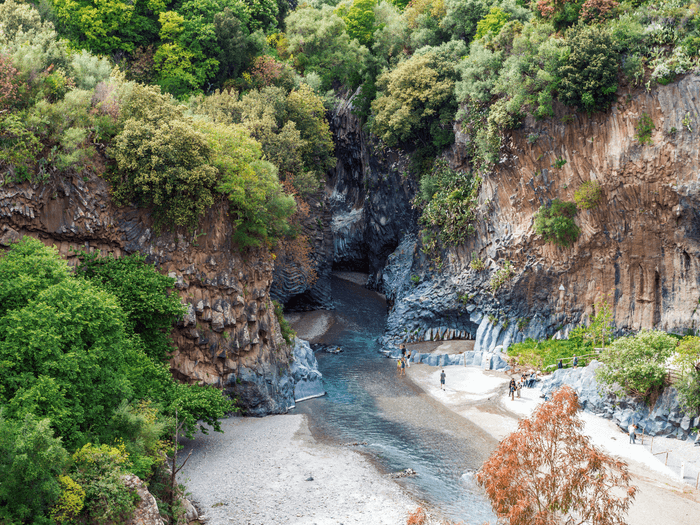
<point>370,199</point>
<point>229,336</point>
<point>639,245</point>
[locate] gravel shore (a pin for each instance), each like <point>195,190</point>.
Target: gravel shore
<point>265,471</point>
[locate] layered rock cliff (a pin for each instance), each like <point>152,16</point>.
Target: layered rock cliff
<point>229,336</point>
<point>639,246</point>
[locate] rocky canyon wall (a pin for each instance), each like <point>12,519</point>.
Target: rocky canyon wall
<point>639,246</point>
<point>229,337</point>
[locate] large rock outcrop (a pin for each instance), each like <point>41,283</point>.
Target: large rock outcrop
<point>639,246</point>
<point>229,336</point>
<point>370,198</point>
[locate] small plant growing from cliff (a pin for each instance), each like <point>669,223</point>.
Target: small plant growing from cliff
<point>476,264</point>
<point>532,138</point>
<point>501,276</point>
<point>522,323</point>
<point>506,323</point>
<point>672,131</point>
<point>415,279</point>
<point>287,333</point>
<point>559,163</point>
<point>687,122</point>
<point>644,128</point>
<point>556,223</point>
<point>549,472</point>
<point>587,196</point>
<point>492,319</point>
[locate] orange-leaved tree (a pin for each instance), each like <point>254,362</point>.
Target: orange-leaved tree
<point>548,472</point>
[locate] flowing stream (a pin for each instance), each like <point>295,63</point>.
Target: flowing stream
<point>404,427</point>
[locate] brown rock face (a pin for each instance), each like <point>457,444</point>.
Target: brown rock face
<point>229,336</point>
<point>640,244</point>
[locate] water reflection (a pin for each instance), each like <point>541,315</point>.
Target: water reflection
<point>404,428</point>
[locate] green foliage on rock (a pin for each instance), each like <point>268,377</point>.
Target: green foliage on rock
<point>555,223</point>
<point>449,200</point>
<point>636,365</point>
<point>587,195</point>
<point>288,334</point>
<point>589,74</point>
<point>144,295</point>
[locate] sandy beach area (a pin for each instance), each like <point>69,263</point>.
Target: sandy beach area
<point>271,471</point>
<point>481,396</point>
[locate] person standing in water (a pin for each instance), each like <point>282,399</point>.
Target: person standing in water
<point>442,380</point>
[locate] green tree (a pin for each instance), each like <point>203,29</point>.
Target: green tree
<point>417,101</point>
<point>492,22</point>
<point>636,365</point>
<point>31,461</point>
<point>26,270</point>
<point>589,73</point>
<point>600,329</point>
<point>359,20</point>
<point>319,42</point>
<point>163,160</point>
<point>145,296</point>
<point>65,356</point>
<point>687,358</point>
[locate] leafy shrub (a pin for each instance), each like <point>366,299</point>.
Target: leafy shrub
<point>417,102</point>
<point>476,263</point>
<point>492,22</point>
<point>71,501</point>
<point>98,470</point>
<point>31,461</point>
<point>589,75</point>
<point>636,365</point>
<point>501,276</point>
<point>145,296</point>
<point>450,200</point>
<point>555,223</point>
<point>633,67</point>
<point>545,354</point>
<point>163,160</point>
<point>288,334</point>
<point>688,359</point>
<point>644,128</point>
<point>319,42</point>
<point>588,195</point>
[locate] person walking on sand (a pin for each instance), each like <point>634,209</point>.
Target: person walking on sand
<point>513,387</point>
<point>403,366</point>
<point>442,380</point>
<point>398,367</point>
<point>408,359</point>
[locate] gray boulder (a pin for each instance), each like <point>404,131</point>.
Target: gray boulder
<point>305,374</point>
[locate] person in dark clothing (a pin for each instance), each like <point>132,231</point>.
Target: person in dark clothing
<point>513,387</point>
<point>560,364</point>
<point>442,380</point>
<point>575,361</point>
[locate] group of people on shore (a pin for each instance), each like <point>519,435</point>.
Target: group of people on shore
<point>404,361</point>
<point>516,386</point>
